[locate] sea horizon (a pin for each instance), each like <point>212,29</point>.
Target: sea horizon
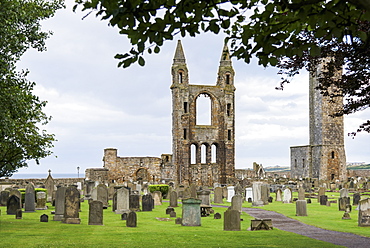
<point>45,175</point>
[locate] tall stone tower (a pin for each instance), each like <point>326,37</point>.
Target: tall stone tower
<point>203,154</point>
<point>324,158</point>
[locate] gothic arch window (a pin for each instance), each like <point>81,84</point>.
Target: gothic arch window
<point>203,154</point>
<point>142,174</point>
<point>227,79</point>
<point>303,163</point>
<point>181,76</point>
<point>214,153</point>
<point>295,163</point>
<point>193,154</point>
<point>228,109</point>
<point>203,109</point>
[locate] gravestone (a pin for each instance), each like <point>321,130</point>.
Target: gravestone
<point>265,193</point>
<point>111,191</point>
<point>178,221</point>
<point>320,193</point>
<point>29,198</point>
<point>278,195</point>
<point>343,193</point>
<point>18,214</point>
<point>157,197</point>
<point>270,199</point>
<point>95,213</point>
<point>204,197</point>
<point>301,208</point>
<point>257,194</point>
<point>301,193</point>
<point>44,218</point>
<point>261,224</point>
<point>131,219</point>
<point>323,200</point>
<point>224,193</point>
<point>4,196</point>
<point>308,201</point>
<point>217,216</point>
<point>41,201</point>
<point>89,185</point>
<point>191,212</point>
<point>147,202</point>
<point>364,213</point>
<point>248,194</point>
<point>218,195</point>
<point>13,205</point>
<point>114,202</point>
<point>60,198</point>
<point>231,220</point>
<point>356,198</point>
<point>173,199</point>
<point>18,194</point>
<point>102,194</point>
<point>180,191</point>
<point>49,186</point>
<point>173,214</point>
<point>124,216</point>
<point>238,190</point>
<point>72,206</point>
<point>123,201</point>
<point>236,203</point>
<point>169,210</point>
<point>230,193</point>
<point>343,202</point>
<point>193,190</point>
<point>287,197</point>
<point>134,203</point>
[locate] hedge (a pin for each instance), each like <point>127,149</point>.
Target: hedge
<point>159,187</point>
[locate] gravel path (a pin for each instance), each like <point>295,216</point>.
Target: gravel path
<point>287,224</point>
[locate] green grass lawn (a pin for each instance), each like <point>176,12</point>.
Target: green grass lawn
<point>150,232</point>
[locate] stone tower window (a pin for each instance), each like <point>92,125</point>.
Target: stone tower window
<point>185,132</point>
<point>213,153</point>
<point>193,154</point>
<point>203,154</point>
<point>229,134</point>
<point>227,78</point>
<point>295,163</point>
<point>332,154</point>
<point>180,77</point>
<point>228,109</point>
<point>203,112</point>
<point>185,107</point>
<point>303,163</point>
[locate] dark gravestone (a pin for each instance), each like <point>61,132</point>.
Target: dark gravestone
<point>114,202</point>
<point>172,214</point>
<point>131,220</point>
<point>231,220</point>
<point>147,202</point>
<point>18,213</point>
<point>356,198</point>
<point>308,200</point>
<point>217,216</point>
<point>343,202</point>
<point>270,199</point>
<point>124,216</point>
<point>173,199</point>
<point>169,210</point>
<point>12,205</point>
<point>60,203</point>
<point>301,208</point>
<point>134,202</point>
<point>249,199</point>
<point>72,206</point>
<point>178,221</point>
<point>95,213</point>
<point>29,198</point>
<point>4,196</point>
<point>44,218</point>
<point>323,199</point>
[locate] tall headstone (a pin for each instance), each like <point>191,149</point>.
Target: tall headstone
<point>131,219</point>
<point>231,220</point>
<point>249,194</point>
<point>321,192</point>
<point>4,196</point>
<point>147,202</point>
<point>301,194</point>
<point>29,198</point>
<point>134,203</point>
<point>41,201</point>
<point>218,195</point>
<point>157,197</point>
<point>279,194</point>
<point>230,193</point>
<point>301,208</point>
<point>60,198</point>
<point>102,194</point>
<point>204,197</point>
<point>123,201</point>
<point>265,193</point>
<point>287,197</point>
<point>236,202</point>
<point>13,205</point>
<point>257,194</point>
<point>364,212</point>
<point>323,200</point>
<point>49,185</point>
<point>356,198</point>
<point>193,190</point>
<point>95,213</point>
<point>89,185</point>
<point>173,199</point>
<point>191,212</point>
<point>238,190</point>
<point>72,206</point>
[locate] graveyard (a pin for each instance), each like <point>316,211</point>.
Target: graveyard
<point>159,221</point>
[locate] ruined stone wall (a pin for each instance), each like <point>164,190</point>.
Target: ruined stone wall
<point>97,175</point>
<point>300,161</point>
<point>40,182</point>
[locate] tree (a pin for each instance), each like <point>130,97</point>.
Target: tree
<point>21,116</point>
<point>288,34</point>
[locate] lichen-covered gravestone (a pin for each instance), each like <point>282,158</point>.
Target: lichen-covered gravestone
<point>29,198</point>
<point>157,196</point>
<point>123,201</point>
<point>41,201</point>
<point>134,202</point>
<point>4,196</point>
<point>364,212</point>
<point>231,220</point>
<point>72,206</point>
<point>131,220</point>
<point>59,203</point>
<point>147,202</point>
<point>13,205</point>
<point>173,199</point>
<point>191,212</point>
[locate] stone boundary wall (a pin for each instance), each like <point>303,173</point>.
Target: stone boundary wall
<point>4,183</point>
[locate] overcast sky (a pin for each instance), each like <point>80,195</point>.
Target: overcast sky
<point>96,105</point>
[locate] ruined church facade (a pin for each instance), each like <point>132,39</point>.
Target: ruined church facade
<point>324,158</point>
<point>203,154</point>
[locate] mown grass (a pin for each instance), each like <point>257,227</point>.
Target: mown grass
<point>150,232</point>
<point>326,217</point>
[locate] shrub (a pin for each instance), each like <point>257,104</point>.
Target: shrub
<point>159,187</point>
